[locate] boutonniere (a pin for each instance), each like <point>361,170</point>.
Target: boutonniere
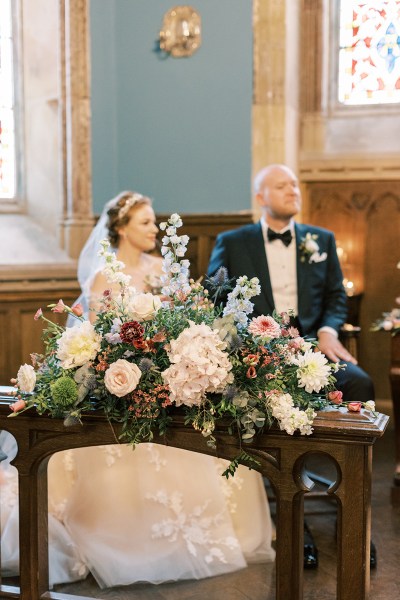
<point>309,249</point>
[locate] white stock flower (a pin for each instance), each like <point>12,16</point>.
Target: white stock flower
<point>26,378</point>
<point>78,345</point>
<point>122,377</point>
<point>175,220</point>
<point>199,365</point>
<point>176,278</point>
<point>175,268</point>
<point>143,306</point>
<point>113,267</point>
<point>313,370</point>
<point>238,303</point>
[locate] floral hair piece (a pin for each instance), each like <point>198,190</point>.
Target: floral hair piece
<point>129,202</point>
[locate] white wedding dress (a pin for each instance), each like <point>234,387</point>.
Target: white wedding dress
<point>152,514</point>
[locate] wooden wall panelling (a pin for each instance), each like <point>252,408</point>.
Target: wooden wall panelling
<point>365,217</point>
<point>21,334</point>
<point>382,285</point>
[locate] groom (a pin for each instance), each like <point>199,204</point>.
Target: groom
<point>298,268</point>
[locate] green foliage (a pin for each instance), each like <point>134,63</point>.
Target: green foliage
<point>242,459</point>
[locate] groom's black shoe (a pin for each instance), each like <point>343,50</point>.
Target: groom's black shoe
<point>310,549</point>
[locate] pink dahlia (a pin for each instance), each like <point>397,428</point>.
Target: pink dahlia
<point>264,327</point>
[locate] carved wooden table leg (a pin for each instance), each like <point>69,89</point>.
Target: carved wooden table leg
<point>289,542</point>
<point>33,532</point>
<point>394,376</point>
<point>354,523</point>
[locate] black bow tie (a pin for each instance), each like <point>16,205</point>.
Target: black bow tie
<point>285,237</point>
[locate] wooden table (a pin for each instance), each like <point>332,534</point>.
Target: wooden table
<point>394,376</point>
<point>346,437</point>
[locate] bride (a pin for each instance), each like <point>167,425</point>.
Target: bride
<point>155,513</point>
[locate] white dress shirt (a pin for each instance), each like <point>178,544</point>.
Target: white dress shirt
<point>282,269</point>
<point>282,265</point>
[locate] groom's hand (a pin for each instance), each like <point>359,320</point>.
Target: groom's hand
<point>329,345</point>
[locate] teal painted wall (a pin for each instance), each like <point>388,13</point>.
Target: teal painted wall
<point>178,130</point>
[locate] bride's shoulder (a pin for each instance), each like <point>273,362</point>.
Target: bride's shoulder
<point>99,284</point>
<point>152,279</point>
<point>154,263</point>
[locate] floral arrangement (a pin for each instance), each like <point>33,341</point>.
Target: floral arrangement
<point>389,321</point>
<point>144,355</point>
<point>309,249</point>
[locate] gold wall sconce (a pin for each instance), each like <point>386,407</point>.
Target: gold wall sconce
<point>180,34</point>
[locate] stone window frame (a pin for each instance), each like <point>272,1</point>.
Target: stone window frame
<point>70,205</point>
<point>17,202</point>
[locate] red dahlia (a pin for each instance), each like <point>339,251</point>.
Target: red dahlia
<point>131,331</point>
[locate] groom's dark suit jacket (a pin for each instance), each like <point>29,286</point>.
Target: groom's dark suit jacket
<point>321,295</point>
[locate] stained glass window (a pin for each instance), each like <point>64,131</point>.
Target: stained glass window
<point>369,53</point>
<point>7,104</point>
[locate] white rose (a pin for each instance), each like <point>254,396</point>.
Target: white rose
<point>370,405</point>
<point>122,377</point>
<point>387,325</point>
<point>26,378</point>
<point>143,307</point>
<point>78,345</point>
<point>311,246</point>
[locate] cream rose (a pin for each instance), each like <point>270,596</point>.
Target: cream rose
<point>143,307</point>
<point>311,245</point>
<point>122,377</point>
<point>78,345</point>
<point>26,378</point>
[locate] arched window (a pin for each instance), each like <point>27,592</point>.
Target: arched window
<point>8,100</point>
<point>369,52</point>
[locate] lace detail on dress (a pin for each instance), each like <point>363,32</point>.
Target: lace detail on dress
<point>155,457</point>
<point>111,452</point>
<point>58,510</point>
<point>229,487</point>
<point>68,461</point>
<point>9,487</point>
<point>194,528</point>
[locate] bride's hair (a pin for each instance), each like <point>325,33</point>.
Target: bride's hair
<point>121,211</point>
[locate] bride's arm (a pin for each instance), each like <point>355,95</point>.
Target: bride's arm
<point>99,285</point>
